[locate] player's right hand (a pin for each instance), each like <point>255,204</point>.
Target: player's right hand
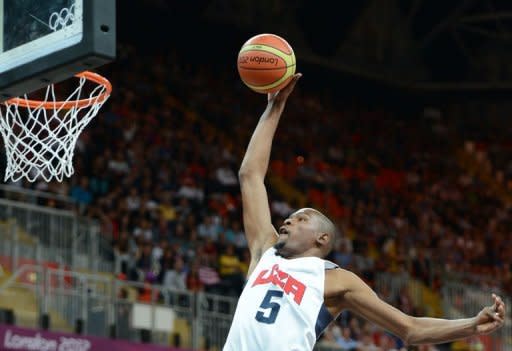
<point>491,318</point>
<point>279,98</point>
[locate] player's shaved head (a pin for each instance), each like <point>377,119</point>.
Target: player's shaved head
<point>324,225</point>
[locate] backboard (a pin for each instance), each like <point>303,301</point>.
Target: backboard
<point>46,41</point>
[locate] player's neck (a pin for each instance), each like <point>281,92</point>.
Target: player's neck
<point>308,253</point>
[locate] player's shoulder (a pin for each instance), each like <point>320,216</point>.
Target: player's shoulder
<point>339,281</point>
<point>337,272</point>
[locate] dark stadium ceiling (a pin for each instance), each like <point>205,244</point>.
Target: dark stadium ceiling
<point>454,44</point>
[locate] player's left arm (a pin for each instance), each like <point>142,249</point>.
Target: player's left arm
<point>358,297</point>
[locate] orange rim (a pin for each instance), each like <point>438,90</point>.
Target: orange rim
<point>66,105</point>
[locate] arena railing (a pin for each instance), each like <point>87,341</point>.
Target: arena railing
<point>35,197</point>
<point>105,306</point>
<point>462,300</point>
<point>32,233</point>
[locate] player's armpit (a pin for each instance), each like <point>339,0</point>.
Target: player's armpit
<point>354,294</point>
<point>258,227</point>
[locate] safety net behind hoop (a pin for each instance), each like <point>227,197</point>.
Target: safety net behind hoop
<point>40,136</point>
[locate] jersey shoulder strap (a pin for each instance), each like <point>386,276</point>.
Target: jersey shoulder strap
<point>330,265</point>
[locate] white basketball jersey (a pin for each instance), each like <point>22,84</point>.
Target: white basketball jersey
<point>282,305</point>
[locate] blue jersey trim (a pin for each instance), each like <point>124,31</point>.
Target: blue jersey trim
<point>322,321</point>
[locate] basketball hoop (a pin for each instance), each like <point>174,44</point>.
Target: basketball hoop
<point>40,135</point>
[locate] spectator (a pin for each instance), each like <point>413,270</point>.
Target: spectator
<point>405,301</point>
<point>183,209</point>
<point>176,277</point>
<point>366,344</point>
<point>226,229</point>
<point>281,207</point>
<point>328,339</point>
<point>229,269</point>
<point>158,250</point>
<point>166,263</point>
<point>343,255</point>
<point>387,343</point>
<point>226,177</point>
<point>168,211</point>
<point>190,246</point>
<point>133,200</point>
<point>194,283</point>
<point>99,183</point>
<point>144,261</point>
<point>245,263</point>
<point>208,229</point>
<point>421,267</point>
<point>143,230</point>
<point>191,191</point>
<point>81,193</point>
<point>355,328</point>
<point>345,340</point>
<point>240,240</point>
<point>149,205</point>
<point>208,276</point>
<point>118,164</point>
<point>123,257</point>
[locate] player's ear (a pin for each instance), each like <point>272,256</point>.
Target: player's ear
<point>322,239</point>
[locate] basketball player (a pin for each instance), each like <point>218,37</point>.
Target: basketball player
<point>292,293</point>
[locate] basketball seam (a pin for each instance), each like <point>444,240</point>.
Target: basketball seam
<point>258,50</point>
<point>265,69</point>
<point>264,85</point>
<point>260,87</point>
<point>287,57</point>
<point>270,46</point>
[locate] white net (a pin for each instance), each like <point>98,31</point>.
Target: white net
<point>40,138</point>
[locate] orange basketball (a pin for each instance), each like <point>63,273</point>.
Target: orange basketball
<point>266,63</point>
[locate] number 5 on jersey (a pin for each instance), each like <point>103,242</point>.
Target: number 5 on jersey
<point>263,315</point>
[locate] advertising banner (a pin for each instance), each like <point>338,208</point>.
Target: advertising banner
<point>22,339</point>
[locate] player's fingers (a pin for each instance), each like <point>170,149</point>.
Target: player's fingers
<point>500,306</point>
<point>496,298</point>
<point>495,316</point>
<point>289,87</point>
<point>495,302</point>
<point>491,312</point>
<point>487,328</point>
<point>501,310</point>
<point>492,326</point>
<point>294,80</point>
<point>500,301</point>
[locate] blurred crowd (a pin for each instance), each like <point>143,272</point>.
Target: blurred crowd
<point>158,169</point>
<point>358,336</point>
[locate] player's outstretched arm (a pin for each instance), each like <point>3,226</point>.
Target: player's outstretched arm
<point>358,297</point>
<point>258,226</point>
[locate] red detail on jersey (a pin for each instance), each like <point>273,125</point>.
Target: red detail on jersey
<point>289,284</point>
